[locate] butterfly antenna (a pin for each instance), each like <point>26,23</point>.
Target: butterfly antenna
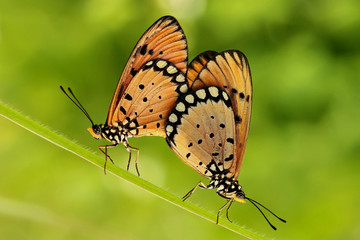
<point>255,202</point>
<point>76,102</point>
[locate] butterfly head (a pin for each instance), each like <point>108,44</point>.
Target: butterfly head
<point>239,196</point>
<point>96,131</point>
<point>233,190</point>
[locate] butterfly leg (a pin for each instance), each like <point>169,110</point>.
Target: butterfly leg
<point>137,157</point>
<point>200,184</point>
<point>227,210</point>
<point>106,155</point>
<point>229,202</point>
<point>129,150</point>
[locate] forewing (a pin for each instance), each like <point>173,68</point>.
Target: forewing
<point>197,65</point>
<point>230,71</point>
<point>200,128</point>
<point>164,39</point>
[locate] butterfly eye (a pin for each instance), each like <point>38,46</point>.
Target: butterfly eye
<point>95,131</point>
<point>240,196</point>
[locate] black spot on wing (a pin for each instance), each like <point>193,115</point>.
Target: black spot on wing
<point>230,140</point>
<point>128,97</point>
<point>122,110</point>
<point>241,95</point>
<point>143,49</point>
<point>133,72</point>
<point>238,119</point>
<point>231,157</point>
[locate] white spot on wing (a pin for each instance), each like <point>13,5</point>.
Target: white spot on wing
<point>214,91</point>
<point>180,78</point>
<point>171,70</point>
<point>149,63</point>
<point>180,107</point>
<point>169,129</point>
<point>201,94</point>
<point>161,64</point>
<point>225,96</point>
<point>173,118</point>
<point>189,98</point>
<point>183,88</point>
<point>212,167</point>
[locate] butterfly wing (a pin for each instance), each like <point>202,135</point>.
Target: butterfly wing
<point>164,39</point>
<point>149,98</point>
<point>201,128</point>
<point>197,64</point>
<point>230,71</point>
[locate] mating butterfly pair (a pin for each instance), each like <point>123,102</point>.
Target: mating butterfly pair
<point>202,109</point>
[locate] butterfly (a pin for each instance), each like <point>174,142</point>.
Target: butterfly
<point>208,126</point>
<point>151,82</point>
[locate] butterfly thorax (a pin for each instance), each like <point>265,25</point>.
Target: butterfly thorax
<point>115,134</point>
<point>224,182</point>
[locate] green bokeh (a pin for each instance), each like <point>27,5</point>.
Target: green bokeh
<point>303,153</point>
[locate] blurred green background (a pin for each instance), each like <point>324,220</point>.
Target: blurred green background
<point>303,152</point>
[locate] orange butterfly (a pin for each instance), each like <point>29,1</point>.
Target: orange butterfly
<point>149,86</point>
<point>208,127</point>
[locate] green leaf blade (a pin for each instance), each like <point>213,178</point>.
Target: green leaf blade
<point>51,136</point>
